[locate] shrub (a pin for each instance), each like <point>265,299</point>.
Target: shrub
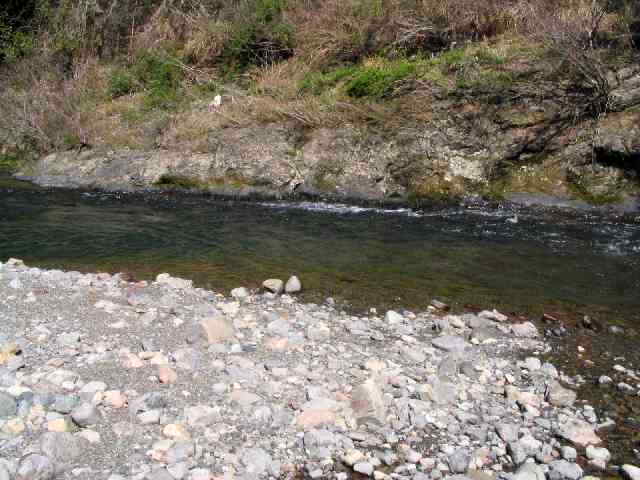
<point>121,83</point>
<point>376,79</point>
<point>379,81</point>
<point>316,82</point>
<point>16,45</point>
<point>258,35</point>
<point>162,78</point>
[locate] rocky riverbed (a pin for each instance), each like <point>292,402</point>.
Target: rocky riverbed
<point>104,378</point>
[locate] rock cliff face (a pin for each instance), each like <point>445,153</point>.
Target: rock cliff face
<point>497,144</point>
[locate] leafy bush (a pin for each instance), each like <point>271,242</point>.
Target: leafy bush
<point>376,79</point>
<point>317,82</point>
<point>121,83</point>
<point>8,162</point>
<point>16,45</point>
<point>379,81</point>
<point>162,78</point>
<point>258,34</point>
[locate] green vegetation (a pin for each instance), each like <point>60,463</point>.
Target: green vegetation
<point>9,162</point>
<point>121,83</point>
<point>379,82</point>
<point>379,78</point>
<point>144,73</point>
<point>376,80</point>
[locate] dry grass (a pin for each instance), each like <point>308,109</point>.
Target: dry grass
<point>46,105</point>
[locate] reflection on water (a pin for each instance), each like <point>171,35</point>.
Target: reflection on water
<point>367,257</point>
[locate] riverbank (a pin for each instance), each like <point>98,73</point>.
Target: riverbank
<point>105,378</point>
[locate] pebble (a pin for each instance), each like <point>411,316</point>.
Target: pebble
<point>259,386</point>
<point>86,414</point>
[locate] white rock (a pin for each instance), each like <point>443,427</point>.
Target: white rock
<point>393,318</point>
<point>293,285</point>
<point>631,472</point>
<point>524,330</point>
<point>274,285</point>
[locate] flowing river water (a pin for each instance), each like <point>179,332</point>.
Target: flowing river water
<point>525,262</point>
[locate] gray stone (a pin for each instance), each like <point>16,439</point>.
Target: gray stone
<point>318,332</point>
<point>569,453</point>
<point>441,392</point>
<point>450,343</point>
<point>178,470</point>
<point>393,318</point>
<point>559,396</point>
<point>293,285</point>
<point>413,355</point>
<point>319,438</point>
<point>274,285</point>
<point>150,417</point>
<point>65,403</point>
<point>604,380</point>
<point>564,470</point>
<point>494,315</point>
<point>91,388</point>
<point>148,401</point>
<point>482,334</point>
<point>367,402</point>
<point>200,474</point>
<point>180,452</point>
<point>530,445</point>
<point>159,474</point>
<point>240,293</point>
<point>448,367</point>
<point>529,471</point>
<point>69,339</point>
<point>508,432</point>
<point>459,461</point>
<point>86,414</point>
<point>244,398</point>
<point>174,282</point>
<point>217,329</point>
<point>579,433</point>
<point>524,330</point>
<point>365,468</point>
<point>201,415</point>
<point>62,448</point>
<point>258,462</point>
<point>280,327</point>
<point>517,452</point>
<point>35,467</point>
<point>5,474</point>
<point>631,472</point>
<point>595,453</point>
<point>549,370</point>
<point>8,405</point>
<point>186,358</point>
<point>532,364</point>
